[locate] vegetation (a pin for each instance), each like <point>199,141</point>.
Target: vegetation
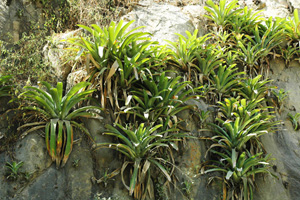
<point>13,168</point>
<point>56,117</point>
<point>118,59</point>
<point>239,172</point>
<point>295,120</point>
<point>280,96</point>
<point>133,79</point>
<point>141,146</point>
<point>5,85</point>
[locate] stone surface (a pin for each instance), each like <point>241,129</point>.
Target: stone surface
<point>75,77</point>
<point>51,180</point>
<point>284,145</point>
<point>70,182</point>
<point>196,14</point>
<point>159,20</point>
<point>33,152</point>
<point>273,8</point>
<point>4,186</point>
<point>55,54</point>
<point>17,12</point>
<point>103,157</point>
<point>74,182</point>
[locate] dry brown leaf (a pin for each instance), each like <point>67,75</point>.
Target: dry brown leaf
<point>112,70</point>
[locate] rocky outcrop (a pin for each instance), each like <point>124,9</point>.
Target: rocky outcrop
<point>158,20</point>
<point>71,182</point>
<point>74,180</point>
<point>284,145</point>
<point>15,18</point>
<point>57,56</point>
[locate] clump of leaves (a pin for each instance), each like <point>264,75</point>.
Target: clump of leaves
<point>288,53</point>
<point>5,85</point>
<point>119,58</point>
<point>14,169</point>
<point>222,14</point>
<point>250,55</point>
<point>185,50</point>
<point>235,134</point>
<point>295,120</point>
<point>245,21</point>
<point>160,98</point>
<point>140,145</point>
<point>208,60</point>
<point>57,116</point>
<point>254,88</point>
<point>203,116</point>
<point>243,108</point>
<point>293,27</point>
<point>239,170</point>
<point>280,96</point>
<point>240,123</point>
<point>187,187</point>
<point>106,177</point>
<point>225,79</point>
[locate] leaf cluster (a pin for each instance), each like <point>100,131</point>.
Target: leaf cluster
<point>128,71</point>
<point>5,85</point>
<point>58,115</point>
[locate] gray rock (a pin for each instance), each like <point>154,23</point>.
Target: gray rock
<point>54,52</point>
<point>295,4</point>
<point>75,77</point>
<point>196,14</point>
<point>161,20</point>
<point>79,176</point>
<point>4,185</point>
<point>103,157</point>
<point>70,182</point>
<point>33,152</point>
<point>50,180</point>
<point>284,144</point>
<point>15,17</point>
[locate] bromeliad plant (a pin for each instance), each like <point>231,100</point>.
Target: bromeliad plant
<point>160,98</point>
<point>223,13</point>
<point>239,170</point>
<point>225,79</point>
<point>254,88</point>
<point>5,85</point>
<point>289,53</point>
<point>280,96</point>
<point>246,21</point>
<point>58,116</point>
<point>295,120</point>
<point>140,145</point>
<point>118,58</point>
<point>246,110</point>
<point>14,167</point>
<point>293,28</point>
<point>243,108</point>
<point>250,55</point>
<point>208,60</point>
<point>235,134</point>
<point>185,50</point>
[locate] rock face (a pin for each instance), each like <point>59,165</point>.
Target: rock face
<point>74,180</point>
<point>55,54</point>
<point>284,146</point>
<point>159,21</point>
<point>71,182</point>
<point>273,8</point>
<point>15,15</point>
